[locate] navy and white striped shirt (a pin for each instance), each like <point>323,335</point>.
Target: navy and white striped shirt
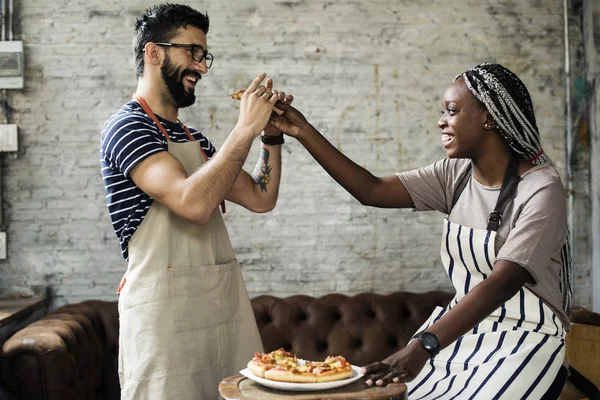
<point>128,137</point>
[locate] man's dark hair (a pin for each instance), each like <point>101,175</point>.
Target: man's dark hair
<point>160,24</point>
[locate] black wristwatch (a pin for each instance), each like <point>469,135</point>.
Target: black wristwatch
<point>429,342</point>
<point>272,140</point>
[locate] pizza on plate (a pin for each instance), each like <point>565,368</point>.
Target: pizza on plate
<point>283,366</point>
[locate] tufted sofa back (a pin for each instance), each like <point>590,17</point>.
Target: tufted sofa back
<point>364,328</point>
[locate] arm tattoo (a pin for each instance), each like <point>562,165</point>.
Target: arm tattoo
<point>262,172</point>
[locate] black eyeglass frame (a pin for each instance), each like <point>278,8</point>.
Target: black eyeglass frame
<point>193,48</point>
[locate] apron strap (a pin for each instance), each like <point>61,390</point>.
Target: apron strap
<point>461,186</point>
<point>509,185</point>
<point>151,114</point>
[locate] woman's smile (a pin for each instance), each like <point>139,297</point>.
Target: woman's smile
<point>447,140</point>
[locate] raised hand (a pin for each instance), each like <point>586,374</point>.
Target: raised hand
<point>256,106</point>
<point>402,366</point>
<point>270,130</point>
<point>290,122</point>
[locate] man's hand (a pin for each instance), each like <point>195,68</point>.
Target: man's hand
<point>402,366</point>
<point>290,122</point>
<point>256,106</point>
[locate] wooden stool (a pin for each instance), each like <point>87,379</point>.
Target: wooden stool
<point>583,353</point>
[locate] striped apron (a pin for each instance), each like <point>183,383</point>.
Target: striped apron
<point>514,353</point>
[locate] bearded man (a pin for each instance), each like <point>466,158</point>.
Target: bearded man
<point>185,316</point>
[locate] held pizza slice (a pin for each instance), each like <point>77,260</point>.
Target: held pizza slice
<point>238,95</point>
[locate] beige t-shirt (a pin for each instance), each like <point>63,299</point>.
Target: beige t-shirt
<point>533,226</point>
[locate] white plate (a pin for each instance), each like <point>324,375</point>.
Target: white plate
<point>303,387</point>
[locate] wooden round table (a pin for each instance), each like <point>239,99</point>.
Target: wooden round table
<point>238,387</point>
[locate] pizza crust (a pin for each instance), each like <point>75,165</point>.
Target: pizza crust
<point>334,376</point>
<point>256,368</point>
<point>288,376</point>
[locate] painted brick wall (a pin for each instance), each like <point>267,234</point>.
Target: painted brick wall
<point>369,74</point>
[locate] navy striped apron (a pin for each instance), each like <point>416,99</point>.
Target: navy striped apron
<point>514,353</point>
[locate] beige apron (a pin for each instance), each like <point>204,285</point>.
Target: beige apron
<point>186,321</point>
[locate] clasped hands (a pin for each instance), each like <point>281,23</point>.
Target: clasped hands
<point>284,118</point>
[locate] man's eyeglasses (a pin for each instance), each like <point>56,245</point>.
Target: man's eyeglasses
<point>198,52</point>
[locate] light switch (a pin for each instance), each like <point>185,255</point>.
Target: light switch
<point>9,138</point>
<point>2,245</point>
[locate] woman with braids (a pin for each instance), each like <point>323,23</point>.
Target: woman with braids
<point>504,245</point>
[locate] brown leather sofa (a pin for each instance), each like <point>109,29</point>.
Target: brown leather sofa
<point>71,353</point>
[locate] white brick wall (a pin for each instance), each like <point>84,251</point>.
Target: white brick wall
<point>369,74</point>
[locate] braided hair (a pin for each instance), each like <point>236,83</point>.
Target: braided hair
<point>508,101</point>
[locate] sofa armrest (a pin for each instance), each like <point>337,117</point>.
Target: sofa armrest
<point>62,356</point>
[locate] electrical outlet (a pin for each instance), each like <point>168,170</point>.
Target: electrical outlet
<point>2,245</point>
<point>9,137</point>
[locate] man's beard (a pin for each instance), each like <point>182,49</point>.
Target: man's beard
<point>173,78</point>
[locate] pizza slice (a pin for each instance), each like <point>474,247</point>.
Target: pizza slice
<point>266,361</point>
<point>334,368</point>
<point>238,95</point>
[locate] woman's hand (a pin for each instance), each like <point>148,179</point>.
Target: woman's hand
<point>290,122</point>
<point>270,130</point>
<point>402,366</point>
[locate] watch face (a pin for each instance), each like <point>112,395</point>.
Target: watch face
<point>429,341</point>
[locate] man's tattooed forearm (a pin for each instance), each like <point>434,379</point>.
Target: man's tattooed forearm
<point>262,172</point>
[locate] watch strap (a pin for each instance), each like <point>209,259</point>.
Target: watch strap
<point>272,140</point>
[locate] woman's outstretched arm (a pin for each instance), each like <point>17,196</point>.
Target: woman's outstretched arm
<point>385,192</point>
